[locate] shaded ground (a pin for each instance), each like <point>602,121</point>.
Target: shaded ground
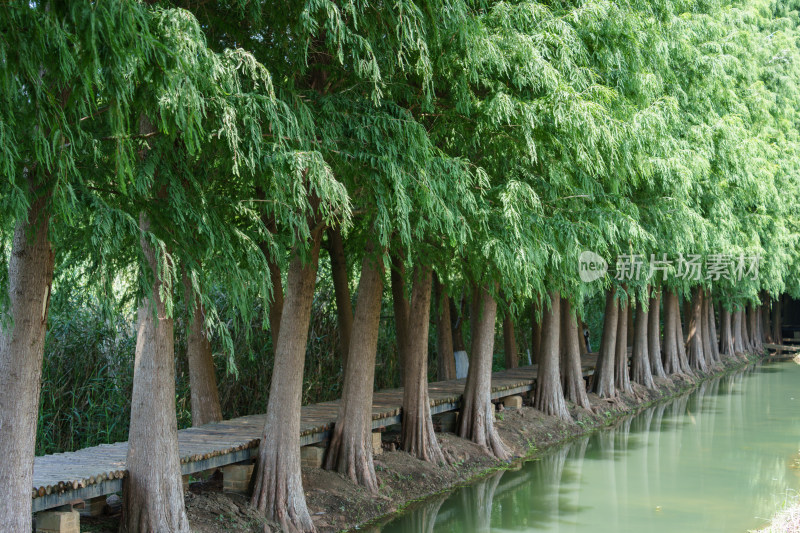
<point>336,504</point>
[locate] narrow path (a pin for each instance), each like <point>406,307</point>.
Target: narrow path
<point>64,477</point>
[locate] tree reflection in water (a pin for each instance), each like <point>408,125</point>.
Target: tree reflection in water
<point>715,459</point>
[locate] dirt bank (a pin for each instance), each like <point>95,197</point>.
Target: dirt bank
<point>337,504</point>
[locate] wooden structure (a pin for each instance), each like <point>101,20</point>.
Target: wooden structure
<point>65,477</point>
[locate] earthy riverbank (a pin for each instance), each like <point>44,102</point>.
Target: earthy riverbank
<point>337,504</point>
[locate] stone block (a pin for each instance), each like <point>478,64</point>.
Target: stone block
<point>312,456</point>
<point>93,506</point>
<point>446,422</point>
<point>377,449</point>
<point>512,402</point>
<point>58,522</point>
<point>236,478</point>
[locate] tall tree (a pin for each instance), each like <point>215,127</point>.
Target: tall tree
<point>476,418</point>
<point>549,396</point>
<point>418,437</point>
<point>350,449</point>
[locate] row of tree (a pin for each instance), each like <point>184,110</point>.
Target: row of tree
<point>468,148</point>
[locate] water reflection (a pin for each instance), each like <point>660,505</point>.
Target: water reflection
<point>719,459</point>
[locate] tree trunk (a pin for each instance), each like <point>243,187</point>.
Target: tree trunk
<point>202,374</point>
<point>444,333</point>
<point>777,322</point>
<point>654,335</point>
<point>738,342</point>
<point>536,330</point>
<point>748,347</point>
<point>708,345</point>
<point>276,308</point>
<point>30,276</point>
<point>400,304</point>
<point>680,339</point>
<point>694,342</point>
<point>152,496</point>
<point>671,361</point>
<point>549,396</point>
<point>712,329</point>
<point>571,372</point>
<point>603,380</point>
<point>509,342</point>
<point>726,334</point>
<point>341,289</point>
<point>621,377</point>
<point>476,419</point>
<point>766,317</point>
<point>278,490</point>
<point>350,450</point>
<point>752,328</point>
<point>418,436</point>
<point>630,333</point>
<point>640,363</point>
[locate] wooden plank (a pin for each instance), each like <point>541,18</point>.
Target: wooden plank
<point>781,347</point>
<point>90,472</point>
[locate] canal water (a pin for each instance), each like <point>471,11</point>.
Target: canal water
<point>722,458</point>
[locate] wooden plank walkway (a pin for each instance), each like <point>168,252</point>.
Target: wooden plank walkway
<point>64,477</point>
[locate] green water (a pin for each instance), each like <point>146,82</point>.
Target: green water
<point>718,459</point>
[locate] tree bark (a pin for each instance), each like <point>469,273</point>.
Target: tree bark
<point>476,419</point>
<point>777,322</point>
<point>680,339</point>
<point>726,334</point>
<point>549,396</point>
<point>350,450</point>
<point>202,374</point>
<point>509,342</point>
<point>748,347</point>
<point>738,341</point>
<point>621,376</point>
<point>444,333</point>
<point>654,335</point>
<point>752,323</point>
<point>705,323</point>
<point>640,363</point>
<point>671,361</point>
<point>278,490</point>
<point>418,436</point>
<point>766,317</point>
<point>694,342</point>
<point>152,496</point>
<point>571,372</point>
<point>400,304</point>
<point>630,333</point>
<point>712,328</point>
<point>30,276</point>
<point>341,289</point>
<point>603,381</point>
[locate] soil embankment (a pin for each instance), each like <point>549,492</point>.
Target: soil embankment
<point>337,504</point>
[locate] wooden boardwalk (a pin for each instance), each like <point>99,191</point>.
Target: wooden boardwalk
<point>65,477</point>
